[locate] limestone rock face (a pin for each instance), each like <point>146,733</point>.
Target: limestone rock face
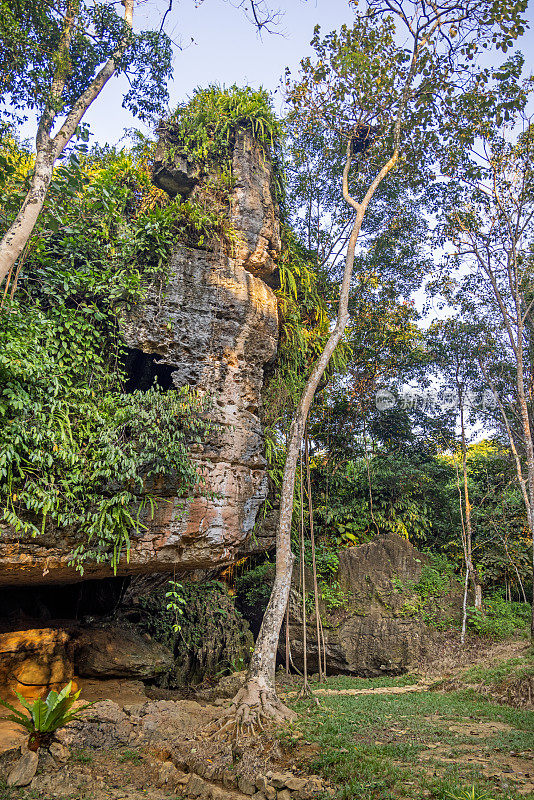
<point>253,211</point>
<point>34,661</point>
<point>213,327</point>
<point>372,633</point>
<point>216,328</point>
<point>120,652</point>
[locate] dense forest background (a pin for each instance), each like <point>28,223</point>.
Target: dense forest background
<point>419,424</point>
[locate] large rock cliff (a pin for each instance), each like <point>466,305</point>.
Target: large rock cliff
<point>214,327</point>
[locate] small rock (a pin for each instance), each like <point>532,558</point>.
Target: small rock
<point>196,786</point>
<point>210,772</point>
<point>216,793</point>
<point>270,792</point>
<point>258,796</point>
<point>261,783</point>
<point>200,768</point>
<point>279,781</point>
<point>285,794</point>
<point>134,709</point>
<point>229,779</point>
<point>161,751</point>
<point>296,784</point>
<point>167,775</point>
<point>59,751</point>
<point>24,770</point>
<point>246,785</point>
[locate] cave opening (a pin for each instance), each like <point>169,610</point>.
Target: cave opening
<point>24,607</point>
<point>144,369</point>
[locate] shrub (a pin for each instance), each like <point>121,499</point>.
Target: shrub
<point>253,589</point>
<point>500,619</point>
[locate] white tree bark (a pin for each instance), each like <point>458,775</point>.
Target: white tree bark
<point>49,148</point>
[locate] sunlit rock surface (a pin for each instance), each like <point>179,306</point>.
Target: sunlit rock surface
<point>214,327</point>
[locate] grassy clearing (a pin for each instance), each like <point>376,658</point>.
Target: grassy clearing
<point>428,745</point>
<point>346,682</point>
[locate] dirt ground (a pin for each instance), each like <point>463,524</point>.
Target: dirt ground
<point>381,739</point>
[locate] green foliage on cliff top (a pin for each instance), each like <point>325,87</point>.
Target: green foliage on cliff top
<point>205,125</point>
<point>204,129</point>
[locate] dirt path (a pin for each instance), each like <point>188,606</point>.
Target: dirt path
<point>414,687</point>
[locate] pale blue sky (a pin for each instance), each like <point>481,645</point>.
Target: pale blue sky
<point>219,45</point>
<point>226,50</point>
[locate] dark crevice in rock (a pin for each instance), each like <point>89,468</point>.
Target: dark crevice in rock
<point>145,369</point>
<point>36,606</point>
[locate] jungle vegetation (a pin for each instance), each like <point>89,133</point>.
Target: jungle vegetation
<point>434,153</point>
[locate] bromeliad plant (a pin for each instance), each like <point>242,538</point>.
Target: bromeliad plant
<point>46,716</point>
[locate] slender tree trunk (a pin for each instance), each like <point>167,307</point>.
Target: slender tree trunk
<point>19,232</point>
<point>473,574</point>
<point>514,565</point>
<point>529,448</point>
<point>526,485</point>
<point>466,559</point>
<point>258,697</point>
<point>464,606</point>
<point>49,149</point>
<point>287,637</point>
<point>305,687</point>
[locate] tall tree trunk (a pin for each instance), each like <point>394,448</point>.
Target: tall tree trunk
<point>314,563</point>
<point>466,559</point>
<point>529,448</point>
<point>526,485</point>
<point>473,574</point>
<point>258,698</point>
<point>305,686</point>
<point>20,230</point>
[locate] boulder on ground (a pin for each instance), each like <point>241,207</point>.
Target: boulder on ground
<point>120,652</point>
<point>378,629</point>
<point>34,661</point>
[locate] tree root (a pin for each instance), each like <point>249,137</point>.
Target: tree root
<point>305,693</point>
<point>252,706</point>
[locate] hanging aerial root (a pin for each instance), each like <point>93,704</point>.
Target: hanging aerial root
<point>252,706</point>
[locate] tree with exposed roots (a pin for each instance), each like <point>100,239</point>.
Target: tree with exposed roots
<point>386,102</point>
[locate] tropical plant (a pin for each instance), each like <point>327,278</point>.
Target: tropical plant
<point>81,448</point>
<point>45,716</point>
<point>204,128</point>
<point>362,87</point>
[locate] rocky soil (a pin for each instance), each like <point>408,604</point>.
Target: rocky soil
<point>155,749</point>
<point>132,746</point>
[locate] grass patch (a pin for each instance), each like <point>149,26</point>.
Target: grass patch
<point>82,757</point>
<point>393,747</point>
<point>346,682</point>
<point>519,667</point>
<point>131,756</point>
